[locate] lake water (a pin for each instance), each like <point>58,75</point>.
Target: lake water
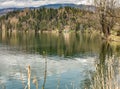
<point>58,61</point>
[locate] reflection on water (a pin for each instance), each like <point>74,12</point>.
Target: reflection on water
<point>107,74</point>
<point>71,60</point>
<point>54,44</point>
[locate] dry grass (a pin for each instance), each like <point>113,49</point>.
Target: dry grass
<point>115,38</point>
<point>29,77</point>
<point>106,75</point>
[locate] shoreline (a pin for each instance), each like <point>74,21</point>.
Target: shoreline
<point>112,37</point>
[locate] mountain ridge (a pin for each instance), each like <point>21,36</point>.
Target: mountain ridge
<point>55,6</point>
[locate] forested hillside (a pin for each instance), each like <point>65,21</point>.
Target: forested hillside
<point>47,19</point>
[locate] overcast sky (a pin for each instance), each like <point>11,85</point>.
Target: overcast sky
<point>36,3</point>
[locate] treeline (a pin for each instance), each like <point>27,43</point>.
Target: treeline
<point>47,19</point>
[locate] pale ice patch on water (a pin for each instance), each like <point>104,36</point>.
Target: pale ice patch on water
<point>14,64</point>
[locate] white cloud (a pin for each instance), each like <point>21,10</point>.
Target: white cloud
<point>36,3</point>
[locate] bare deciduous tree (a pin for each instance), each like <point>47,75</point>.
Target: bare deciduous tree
<point>106,14</point>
